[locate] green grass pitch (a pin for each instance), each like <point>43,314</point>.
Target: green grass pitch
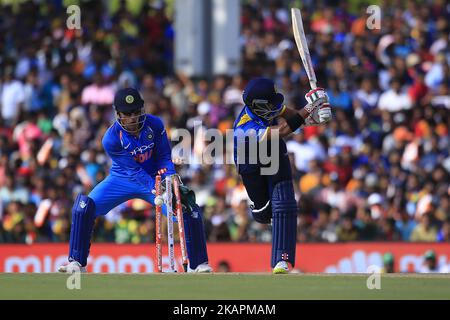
<point>223,286</point>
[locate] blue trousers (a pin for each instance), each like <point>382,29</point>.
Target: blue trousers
<point>115,190</point>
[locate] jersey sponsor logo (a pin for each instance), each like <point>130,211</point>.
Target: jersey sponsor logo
<point>142,149</point>
<point>142,153</point>
<point>143,157</point>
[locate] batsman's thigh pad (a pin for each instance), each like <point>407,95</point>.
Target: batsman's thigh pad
<point>284,222</point>
<point>264,214</point>
<point>83,217</point>
<point>258,189</point>
<point>194,234</point>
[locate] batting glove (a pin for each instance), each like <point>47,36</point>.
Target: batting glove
<point>318,107</point>
<point>316,94</point>
<point>320,115</point>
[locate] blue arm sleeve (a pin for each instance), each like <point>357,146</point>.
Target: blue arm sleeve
<point>163,151</point>
<point>124,160</point>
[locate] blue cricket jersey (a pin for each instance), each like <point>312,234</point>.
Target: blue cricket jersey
<point>139,157</point>
<point>247,124</point>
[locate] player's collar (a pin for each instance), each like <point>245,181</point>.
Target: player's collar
<point>255,118</point>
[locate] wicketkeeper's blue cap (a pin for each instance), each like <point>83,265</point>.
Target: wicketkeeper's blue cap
<point>128,100</point>
<point>262,88</point>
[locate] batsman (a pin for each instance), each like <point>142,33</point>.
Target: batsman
<point>273,197</point>
<point>139,149</point>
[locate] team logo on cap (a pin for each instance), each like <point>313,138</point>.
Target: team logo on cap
<point>129,99</point>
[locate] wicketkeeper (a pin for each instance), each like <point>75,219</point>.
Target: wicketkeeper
<point>273,195</point>
<point>139,149</point>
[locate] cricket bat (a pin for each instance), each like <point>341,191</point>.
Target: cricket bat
<point>302,46</point>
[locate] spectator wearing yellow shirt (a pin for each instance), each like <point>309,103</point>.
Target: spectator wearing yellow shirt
<point>347,230</point>
<point>424,231</point>
<point>314,179</point>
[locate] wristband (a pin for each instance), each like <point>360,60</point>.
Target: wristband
<point>295,122</point>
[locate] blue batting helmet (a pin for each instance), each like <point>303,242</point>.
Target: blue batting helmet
<point>264,89</point>
<point>262,98</point>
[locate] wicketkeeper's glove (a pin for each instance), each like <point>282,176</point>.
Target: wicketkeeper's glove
<point>159,200</point>
<point>188,201</point>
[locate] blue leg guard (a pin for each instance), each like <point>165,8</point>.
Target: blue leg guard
<point>284,223</point>
<point>195,237</point>
<point>83,217</point>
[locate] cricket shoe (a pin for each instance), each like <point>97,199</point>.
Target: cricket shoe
<point>282,267</point>
<point>201,268</point>
<point>71,267</point>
